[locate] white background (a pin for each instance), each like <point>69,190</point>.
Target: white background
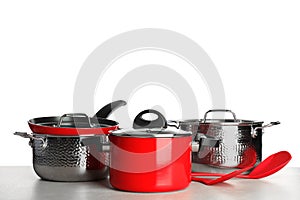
<point>255,46</point>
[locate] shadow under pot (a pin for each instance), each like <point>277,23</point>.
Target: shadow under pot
<point>71,147</point>
<point>234,137</point>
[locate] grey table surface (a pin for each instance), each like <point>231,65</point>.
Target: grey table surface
<point>22,183</point>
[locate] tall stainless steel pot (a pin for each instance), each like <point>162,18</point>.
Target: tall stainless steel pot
<point>232,137</point>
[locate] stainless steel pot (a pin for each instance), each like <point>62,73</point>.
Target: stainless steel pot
<point>72,147</point>
<point>69,158</point>
<point>234,136</point>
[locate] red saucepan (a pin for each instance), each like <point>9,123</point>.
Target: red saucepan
<point>152,158</point>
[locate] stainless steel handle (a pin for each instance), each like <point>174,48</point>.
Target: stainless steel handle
<point>102,146</point>
<point>195,146</point>
<point>202,140</point>
<point>26,135</point>
<point>74,115</point>
<point>173,123</point>
<point>254,132</point>
<point>220,110</point>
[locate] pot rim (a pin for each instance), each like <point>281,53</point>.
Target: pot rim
<point>151,133</point>
<point>230,122</point>
<point>223,122</point>
<point>67,136</point>
<point>37,127</point>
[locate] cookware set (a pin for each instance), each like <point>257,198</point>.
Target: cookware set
<point>154,156</point>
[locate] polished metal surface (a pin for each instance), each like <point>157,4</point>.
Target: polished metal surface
<point>21,183</point>
<point>70,158</point>
<point>233,141</point>
<point>229,138</point>
<point>73,115</point>
<point>220,110</point>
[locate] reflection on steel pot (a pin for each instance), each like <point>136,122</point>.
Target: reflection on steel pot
<point>234,135</point>
<point>70,147</point>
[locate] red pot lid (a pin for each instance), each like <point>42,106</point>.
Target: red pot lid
<point>72,125</point>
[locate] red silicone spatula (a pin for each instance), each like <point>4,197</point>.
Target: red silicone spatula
<point>269,166</point>
<point>245,166</point>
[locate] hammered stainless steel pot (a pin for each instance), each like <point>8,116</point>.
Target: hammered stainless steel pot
<point>69,158</point>
<point>234,136</point>
<point>71,147</point>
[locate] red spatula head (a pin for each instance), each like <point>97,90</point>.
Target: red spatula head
<point>246,164</point>
<point>270,165</point>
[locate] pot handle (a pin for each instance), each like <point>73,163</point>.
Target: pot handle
<point>73,115</point>
<point>174,123</point>
<point>105,111</point>
<point>30,136</point>
<point>254,133</point>
<point>140,123</point>
<point>103,146</point>
<point>202,140</point>
<point>220,110</point>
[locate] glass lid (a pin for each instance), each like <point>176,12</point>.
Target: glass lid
<point>154,128</point>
